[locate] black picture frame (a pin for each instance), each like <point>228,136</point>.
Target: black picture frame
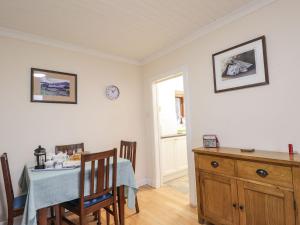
<point>261,39</point>
<point>70,77</point>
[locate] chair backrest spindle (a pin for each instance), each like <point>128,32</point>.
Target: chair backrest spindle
<point>128,151</point>
<point>100,172</point>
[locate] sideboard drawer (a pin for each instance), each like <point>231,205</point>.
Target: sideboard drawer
<point>216,164</point>
<point>267,173</point>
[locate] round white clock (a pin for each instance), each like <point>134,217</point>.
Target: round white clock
<point>112,92</point>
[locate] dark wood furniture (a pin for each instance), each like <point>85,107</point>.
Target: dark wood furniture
<point>69,149</point>
<point>128,151</point>
<point>15,205</point>
<point>101,193</point>
<point>236,188</point>
<point>42,213</point>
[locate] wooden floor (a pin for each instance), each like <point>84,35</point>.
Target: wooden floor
<point>163,206</point>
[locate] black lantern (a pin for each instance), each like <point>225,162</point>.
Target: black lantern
<point>40,154</point>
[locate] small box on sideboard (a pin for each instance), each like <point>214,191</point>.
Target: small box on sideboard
<point>210,141</point>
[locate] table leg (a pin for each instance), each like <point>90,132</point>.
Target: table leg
<point>57,215</point>
<point>121,204</point>
<point>43,216</point>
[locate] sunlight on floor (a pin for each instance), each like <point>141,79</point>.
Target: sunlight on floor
<point>163,206</point>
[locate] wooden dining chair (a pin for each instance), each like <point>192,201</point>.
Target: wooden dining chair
<point>95,168</point>
<point>128,151</point>
<point>70,149</point>
<point>15,205</point>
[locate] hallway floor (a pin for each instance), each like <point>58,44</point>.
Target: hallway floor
<point>180,184</point>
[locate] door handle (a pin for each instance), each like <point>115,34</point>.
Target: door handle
<point>262,173</point>
<point>214,164</point>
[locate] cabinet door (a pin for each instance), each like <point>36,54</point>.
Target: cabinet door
<point>265,205</point>
<point>181,153</point>
<point>167,156</point>
<point>219,199</point>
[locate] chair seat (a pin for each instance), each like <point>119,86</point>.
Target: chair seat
<point>19,202</point>
<point>89,203</point>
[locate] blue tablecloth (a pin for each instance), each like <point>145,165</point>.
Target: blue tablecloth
<point>46,188</point>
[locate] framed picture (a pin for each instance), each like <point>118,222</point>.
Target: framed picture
<point>241,66</point>
<point>53,87</point>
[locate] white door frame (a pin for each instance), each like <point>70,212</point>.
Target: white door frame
<point>156,162</point>
<point>157,134</point>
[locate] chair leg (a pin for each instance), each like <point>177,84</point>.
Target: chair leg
<point>82,220</point>
<point>137,208</point>
<point>95,214</point>
<point>98,215</point>
<point>10,220</point>
<point>107,218</point>
<point>115,211</point>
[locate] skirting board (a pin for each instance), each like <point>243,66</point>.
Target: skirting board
<point>144,181</point>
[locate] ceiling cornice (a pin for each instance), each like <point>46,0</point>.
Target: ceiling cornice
<point>229,18</point>
<point>235,15</point>
<point>10,33</point>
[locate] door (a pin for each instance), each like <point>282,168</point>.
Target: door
<point>265,205</point>
<point>219,199</point>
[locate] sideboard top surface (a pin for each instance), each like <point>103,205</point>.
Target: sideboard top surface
<point>258,155</point>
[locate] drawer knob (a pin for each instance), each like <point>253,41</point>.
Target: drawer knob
<point>262,173</point>
<point>214,164</point>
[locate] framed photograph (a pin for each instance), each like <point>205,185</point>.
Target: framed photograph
<point>241,66</point>
<point>49,86</point>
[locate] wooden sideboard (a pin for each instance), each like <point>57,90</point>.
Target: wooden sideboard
<point>259,188</point>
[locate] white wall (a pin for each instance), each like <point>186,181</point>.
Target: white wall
<point>166,105</point>
<point>264,117</point>
<point>95,120</point>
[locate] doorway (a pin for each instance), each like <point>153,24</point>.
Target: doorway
<point>171,133</point>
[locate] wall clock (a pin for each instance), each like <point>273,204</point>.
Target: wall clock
<point>112,92</point>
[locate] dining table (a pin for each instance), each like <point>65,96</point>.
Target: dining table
<point>47,188</point>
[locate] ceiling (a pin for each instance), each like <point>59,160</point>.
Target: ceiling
<point>131,29</point>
